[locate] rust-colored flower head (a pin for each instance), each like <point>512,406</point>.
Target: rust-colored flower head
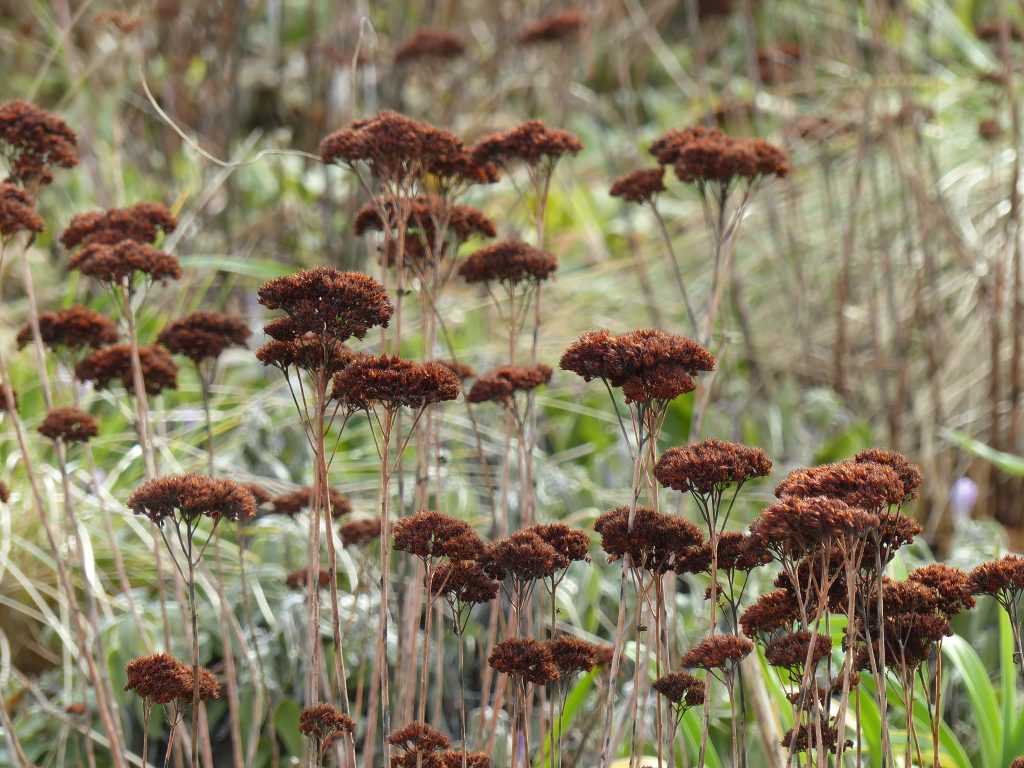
<point>501,384</point>
<point>641,186</point>
<point>989,129</point>
<point>523,556</point>
<point>1000,578</point>
<point>1018,762</point>
<point>739,552</point>
<point>391,382</point>
<point>430,44</point>
<point>294,502</point>
<point>114,363</point>
<point>509,262</point>
<point>453,759</point>
<point>952,585</point>
<point>72,425</point>
<point>801,738</point>
<point>5,493</point>
<point>189,497</point>
<point>33,142</point>
<point>464,581</point>
<point>572,545</point>
<point>204,335</point>
<point>424,216</point>
<point>356,533</point>
<point>161,679</point>
<point>556,28</point>
<point>572,655</point>
<point>124,261</point>
<point>652,543</point>
<point>461,370</point>
<point>321,721</point>
<point>795,526</point>
<point>909,474</point>
<point>140,223</point>
<point>418,738</point>
<point>893,532</point>
<point>771,612</point>
<point>710,466</point>
<point>867,485</point>
<point>681,688</point>
<point>328,302</point>
<point>428,534</point>
<point>716,652</point>
<point>17,211</point>
<point>308,352</point>
<point>531,143</point>
<point>259,494</point>
<point>525,658</point>
<point>73,328</point>
<point>297,580</point>
<point>790,650</point>
<point>702,155</point>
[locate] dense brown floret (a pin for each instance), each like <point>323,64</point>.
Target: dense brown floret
<point>710,466</point>
<point>418,738</point>
<point>17,211</point>
<point>428,534</point>
<point>72,425</point>
<point>358,532</point>
<point>772,611</point>
<point>123,261</point>
<point>324,720</point>
<point>114,363</point>
<point>161,679</point>
<point>523,556</point>
<point>204,335</point>
<point>998,577</point>
<point>294,502</point>
<point>526,658</point>
<point>800,739</point>
<point>989,129</point>
<point>308,352</point>
<point>453,759</point>
<point>790,650</point>
<point>909,474</point>
<point>1018,762</point>
<point>654,540</point>
<point>464,581</point>
<point>34,141</point>
<point>392,382</point>
<point>510,262</point>
<point>717,651</point>
<point>430,44</point>
<point>259,494</point>
<point>424,216</point>
<point>71,328</point>
<point>866,485</point>
<point>554,28</point>
<point>189,497</point>
<point>701,155</point>
<point>298,579</point>
<point>739,552</point>
<point>952,585</point>
<point>571,545</point>
<point>328,302</point>
<point>500,384</point>
<point>680,688</point>
<point>640,186</point>
<point>461,370</point>
<point>530,143</point>
<point>794,526</point>
<point>894,532</point>
<point>572,655</point>
<point>140,223</point>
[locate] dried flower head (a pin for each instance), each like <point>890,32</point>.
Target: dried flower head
<point>572,545</point>
<point>717,651</point>
<point>641,186</point>
<point>297,580</point>
<point>572,655</point>
<point>124,261</point>
<point>790,650</point>
<point>161,679</point>
<point>702,155</point>
<point>294,502</point>
<point>418,738</point>
<point>952,586</point>
<point>554,28</point>
<point>204,335</point>
<point>5,493</point>
<point>501,384</point>
<point>510,262</point>
<point>328,302</point>
<point>428,534</point>
<point>461,370</point>
<point>653,540</point>
<point>892,533</point>
<point>523,556</point>
<point>710,466</point>
<point>1002,578</point>
<point>189,497</point>
<point>795,526</point>
<point>358,532</point>
<point>435,44</point>
<point>17,211</point>
<point>989,129</point>
<point>454,759</point>
<point>681,688</point>
<point>739,552</point>
<point>771,612</point>
<point>530,143</point>
<point>322,721</point>
<point>391,382</point>
<point>799,739</point>
<point>259,494</point>
<point>909,474</point>
<point>308,352</point>
<point>72,425</point>
<point>114,363</point>
<point>866,485</point>
<point>73,328</point>
<point>463,581</point>
<point>525,658</point>
<point>424,218</point>
<point>33,142</point>
<point>140,223</point>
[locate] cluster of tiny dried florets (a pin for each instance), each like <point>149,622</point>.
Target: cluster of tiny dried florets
<point>162,679</point>
<point>419,745</point>
<point>530,143</point>
<point>140,223</point>
<point>710,465</point>
<point>572,655</point>
<point>121,261</point>
<point>34,142</point>
<point>682,689</point>
<point>790,650</point>
<point>796,526</point>
<point>463,582</point>
<point>294,502</point>
<point>523,557</point>
<point>423,216</point>
<point>358,532</point>
<point>391,382</point>
<point>865,485</point>
<point>641,186</point>
<point>525,658</point>
<point>461,370</point>
<point>1002,578</point>
<point>951,585</point>
<point>17,211</point>
<point>771,612</point>
<point>189,497</point>
<point>426,44</point>
<point>429,534</point>
<point>554,28</point>
<point>717,652</point>
<point>653,542</point>
<point>71,425</point>
<point>702,155</point>
<point>204,335</point>
<point>308,352</point>
<point>72,328</point>
<point>509,262</point>
<point>322,721</point>
<point>501,384</point>
<point>114,363</point>
<point>799,739</point>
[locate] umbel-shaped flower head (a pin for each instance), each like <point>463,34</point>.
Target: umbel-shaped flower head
<point>204,335</point>
<point>74,328</point>
<point>710,466</point>
<point>114,363</point>
<point>33,142</point>
<point>17,211</point>
<point>139,223</point>
<point>187,498</point>
<point>391,382</point>
<point>526,659</point>
<point>162,679</point>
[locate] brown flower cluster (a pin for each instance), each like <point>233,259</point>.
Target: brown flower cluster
<point>1002,578</point>
<point>429,534</point>
<point>327,302</point>
<point>501,384</point>
<point>322,721</point>
<point>204,335</point>
<point>140,223</point>
<point>259,494</point>
<point>358,532</point>
<point>571,545</point>
<point>114,363</point>
<point>524,556</point>
<point>123,261</point>
<point>189,497</point>
<point>709,466</point>
<point>461,370</point>
<point>510,262</point>
<point>717,652</point>
<point>795,526</point>
<point>989,129</point>
<point>701,155</point>
<point>34,141</point>
<point>294,502</point>
<point>865,485</point>
<point>71,425</point>
<point>648,364</point>
<point>909,474</point>
<point>790,650</point>
<point>72,328</point>
<point>5,493</point>
<point>554,28</point>
<point>161,679</point>
<point>17,211</point>
<point>308,352</point>
<point>798,739</point>
<point>437,44</point>
<point>465,582</point>
<point>951,585</point>
<point>530,143</point>
<point>297,580</point>
<point>453,759</point>
<point>640,186</point>
<point>739,552</point>
<point>391,382</point>
<point>771,612</point>
<point>419,744</point>
<point>525,658</point>
<point>681,688</point>
<point>423,216</point>
<point>572,655</point>
<point>654,540</point>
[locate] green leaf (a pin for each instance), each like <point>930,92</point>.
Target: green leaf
<point>286,723</point>
<point>984,706</point>
<point>258,268</point>
<point>1009,463</point>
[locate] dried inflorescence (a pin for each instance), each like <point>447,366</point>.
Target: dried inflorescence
<point>894,531</point>
<point>501,384</point>
<point>114,363</point>
<point>739,552</point>
<point>161,679</point>
<point>298,579</point>
<point>530,143</point>
<point>73,328</point>
<point>865,485</point>
<point>322,721</point>
<point>454,759</point>
<point>795,525</point>
<point>358,532</point>
<point>392,382</point>
<point>259,494</point>
<point>571,545</point>
<point>771,612</point>
<point>140,223</point>
<point>717,651</point>
<point>554,28</point>
<point>790,650</point>
<point>189,497</point>
<point>418,743</point>
<point>523,556</point>
<point>436,44</point>
<point>294,502</point>
<point>800,739</point>
<point>34,142</point>
<point>1002,578</point>
<point>308,352</point>
<point>572,655</point>
<point>989,129</point>
<point>5,493</point>
<point>461,370</point>
<point>328,302</point>
<point>430,534</point>
<point>123,261</point>
<point>681,688</point>
<point>423,216</point>
<point>509,262</point>
<point>17,211</point>
<point>464,581</point>
<point>952,586</point>
<point>525,658</point>
<point>706,155</point>
<point>909,474</point>
<point>71,425</point>
<point>710,466</point>
<point>641,186</point>
<point>652,543</point>
<point>204,335</point>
